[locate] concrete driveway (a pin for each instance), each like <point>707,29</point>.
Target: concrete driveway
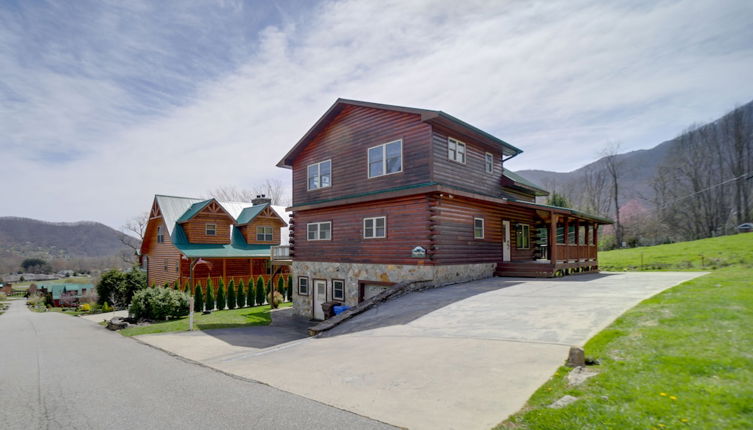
<point>459,357</point>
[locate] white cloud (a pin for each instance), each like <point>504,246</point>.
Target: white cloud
<point>555,79</point>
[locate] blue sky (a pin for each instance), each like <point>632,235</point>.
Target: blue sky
<point>103,104</point>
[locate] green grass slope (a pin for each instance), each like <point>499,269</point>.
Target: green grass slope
<point>704,254</point>
<point>681,359</point>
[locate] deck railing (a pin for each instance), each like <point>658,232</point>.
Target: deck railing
<point>280,252</point>
<point>575,252</point>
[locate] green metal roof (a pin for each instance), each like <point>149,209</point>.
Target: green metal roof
<point>248,214</point>
<point>236,248</point>
<point>525,182</point>
<point>57,290</point>
<point>193,210</point>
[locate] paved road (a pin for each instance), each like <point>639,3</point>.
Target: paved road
<point>61,372</point>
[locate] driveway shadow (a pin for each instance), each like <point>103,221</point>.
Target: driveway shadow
<point>285,327</point>
<point>410,307</point>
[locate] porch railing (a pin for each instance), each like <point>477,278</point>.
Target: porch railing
<point>280,252</point>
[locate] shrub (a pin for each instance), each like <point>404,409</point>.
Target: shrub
<point>231,301</point>
<point>281,287</point>
<point>221,300</point>
<point>118,287</point>
<point>209,300</point>
<point>274,298</point>
<point>86,307</point>
<point>270,290</point>
<point>35,300</point>
<point>241,296</point>
<point>106,307</point>
<point>260,291</point>
<point>290,288</point>
<point>159,304</point>
<point>3,297</point>
<point>250,293</point>
<point>198,299</point>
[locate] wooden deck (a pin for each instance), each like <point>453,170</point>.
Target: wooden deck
<point>532,269</point>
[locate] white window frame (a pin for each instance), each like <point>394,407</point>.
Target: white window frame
<point>303,278</point>
<point>489,162</point>
<point>160,235</point>
<point>342,286</point>
<point>384,159</point>
<point>452,154</point>
<point>264,233</point>
<point>523,228</point>
<point>318,175</point>
<point>483,228</point>
<point>373,227</point>
<point>206,229</point>
<point>318,230</point>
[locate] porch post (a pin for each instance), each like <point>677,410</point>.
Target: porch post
<point>552,237</point>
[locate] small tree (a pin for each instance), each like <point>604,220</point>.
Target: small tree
<point>176,285</point>
<point>241,297</point>
<point>290,288</point>
<point>250,293</point>
<point>198,299</point>
<point>221,302</point>
<point>209,300</point>
<point>260,291</point>
<point>231,302</point>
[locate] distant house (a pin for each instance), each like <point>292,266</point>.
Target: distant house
<point>745,227</point>
<point>223,240</point>
<point>6,287</point>
<point>64,294</point>
<point>384,194</point>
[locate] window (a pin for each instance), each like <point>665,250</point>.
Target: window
<point>160,235</point>
<point>386,159</point>
<point>560,233</point>
<point>374,227</point>
<point>456,150</point>
<point>210,229</point>
<point>264,234</point>
<point>523,236</point>
<point>478,228</point>
<point>320,175</point>
<point>165,265</point>
<point>319,230</point>
<point>303,286</point>
<point>571,234</point>
<point>338,289</point>
<point>489,162</point>
<point>177,266</point>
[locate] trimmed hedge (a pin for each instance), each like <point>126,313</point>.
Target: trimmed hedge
<point>159,304</point>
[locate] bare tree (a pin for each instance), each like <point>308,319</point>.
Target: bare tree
<point>614,171</point>
<point>738,151</point>
<point>271,188</point>
<point>133,234</point>
<point>595,195</point>
<point>231,193</point>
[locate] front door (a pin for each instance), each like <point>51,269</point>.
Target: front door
<point>320,296</point>
<point>505,240</point>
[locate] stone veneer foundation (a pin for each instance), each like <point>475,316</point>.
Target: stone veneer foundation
<point>353,273</point>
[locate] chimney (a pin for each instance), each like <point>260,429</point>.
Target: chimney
<point>260,200</point>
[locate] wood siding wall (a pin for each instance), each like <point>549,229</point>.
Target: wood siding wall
<point>470,176</point>
<point>346,140</point>
<point>195,228</point>
<point>407,227</point>
<point>454,243</point>
<point>161,255</point>
<point>249,231</point>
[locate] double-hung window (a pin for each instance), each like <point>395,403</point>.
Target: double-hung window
<point>160,235</point>
<point>456,150</point>
<point>386,159</point>
<point>264,234</point>
<point>523,236</point>
<point>338,289</point>
<point>210,229</point>
<point>478,228</point>
<point>489,162</point>
<point>375,227</point>
<point>319,230</point>
<point>303,285</point>
<point>319,175</point>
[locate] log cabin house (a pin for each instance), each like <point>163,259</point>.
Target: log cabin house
<point>384,194</point>
<point>231,240</point>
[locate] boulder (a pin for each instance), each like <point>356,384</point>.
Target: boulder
<point>563,401</point>
<point>576,357</point>
<point>116,323</point>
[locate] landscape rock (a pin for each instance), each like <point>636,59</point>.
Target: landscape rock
<point>579,375</point>
<point>563,401</point>
<point>576,357</point>
<point>117,323</point>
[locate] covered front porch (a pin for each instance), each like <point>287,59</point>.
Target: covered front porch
<point>562,244</point>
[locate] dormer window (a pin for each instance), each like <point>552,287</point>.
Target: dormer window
<point>386,159</point>
<point>320,175</point>
<point>210,229</point>
<point>160,235</point>
<point>456,150</point>
<point>264,234</point>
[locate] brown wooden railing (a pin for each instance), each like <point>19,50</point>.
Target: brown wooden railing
<point>575,252</point>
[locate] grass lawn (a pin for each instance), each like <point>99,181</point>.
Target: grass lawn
<point>258,315</point>
<point>681,359</point>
